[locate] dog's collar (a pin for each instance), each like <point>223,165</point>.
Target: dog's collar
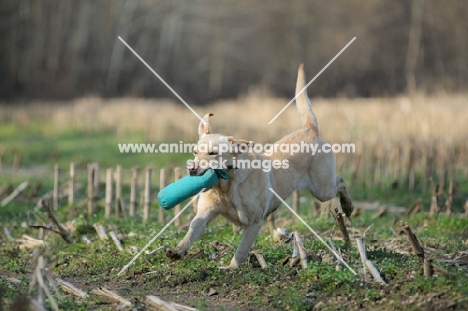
<point>222,174</point>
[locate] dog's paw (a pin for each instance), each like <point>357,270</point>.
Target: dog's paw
<point>347,206</point>
<point>173,255</point>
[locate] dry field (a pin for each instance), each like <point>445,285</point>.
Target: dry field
<point>405,147</point>
<point>435,119</point>
<point>405,141</point>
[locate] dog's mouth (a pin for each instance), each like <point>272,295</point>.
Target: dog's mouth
<point>198,171</point>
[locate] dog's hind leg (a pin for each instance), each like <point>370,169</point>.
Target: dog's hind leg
<point>197,226</point>
<point>345,197</point>
<point>248,238</point>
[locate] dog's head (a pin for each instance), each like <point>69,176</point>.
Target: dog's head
<point>215,151</point>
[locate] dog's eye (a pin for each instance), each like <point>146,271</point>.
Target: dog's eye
<point>212,153</point>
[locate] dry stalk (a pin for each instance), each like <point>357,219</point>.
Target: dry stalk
<point>15,193</point>
<point>294,258</point>
<point>182,307</point>
<point>449,201</point>
<point>299,252</point>
<point>434,209</point>
<point>281,234</point>
<point>341,224</point>
<point>417,249</point>
<point>7,233</point>
<point>367,263</point>
<point>380,213</point>
<point>29,242</point>
<point>121,207</point>
<point>71,184</point>
<point>440,270</point>
<point>293,261</point>
<point>63,192</point>
<point>61,230</point>
<point>41,280</point>
<point>259,257</point>
<point>147,195</point>
<point>428,268</point>
<point>357,211</point>
<point>415,208</point>
<point>90,189</point>
<point>111,296</point>
<point>13,280</point>
<point>333,246</point>
<point>44,228</point>
<point>70,288</point>
<point>108,197</point>
<point>118,189</point>
<point>154,303</point>
<point>101,231</point>
<point>34,305</point>
<point>116,241</point>
<point>55,193</point>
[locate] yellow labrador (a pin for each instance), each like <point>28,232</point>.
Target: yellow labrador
<point>245,198</point>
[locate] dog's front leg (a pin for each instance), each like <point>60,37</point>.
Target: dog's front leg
<point>197,226</point>
<point>248,238</point>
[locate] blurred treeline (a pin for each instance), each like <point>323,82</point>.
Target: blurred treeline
<point>209,49</point>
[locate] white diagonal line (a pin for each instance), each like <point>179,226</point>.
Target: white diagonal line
<point>160,232</point>
<point>316,76</point>
<point>312,230</point>
<point>159,77</point>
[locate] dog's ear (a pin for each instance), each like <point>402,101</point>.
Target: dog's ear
<point>242,144</point>
<point>236,141</point>
<point>204,126</point>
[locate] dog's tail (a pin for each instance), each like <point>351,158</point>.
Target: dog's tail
<point>309,121</point>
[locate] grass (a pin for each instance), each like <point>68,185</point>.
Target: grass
<point>276,287</point>
<point>82,132</point>
<point>39,147</point>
